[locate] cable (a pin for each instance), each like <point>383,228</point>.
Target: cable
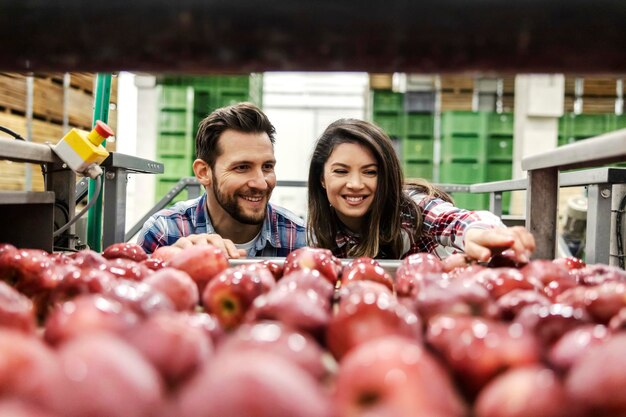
<point>12,133</point>
<point>84,210</point>
<point>618,232</point>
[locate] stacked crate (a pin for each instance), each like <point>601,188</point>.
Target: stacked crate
<point>463,155</point>
<point>500,151</point>
<point>52,102</point>
<point>476,147</point>
<point>183,102</point>
<point>403,118</point>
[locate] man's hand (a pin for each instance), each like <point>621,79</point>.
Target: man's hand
<point>226,245</point>
<point>482,244</point>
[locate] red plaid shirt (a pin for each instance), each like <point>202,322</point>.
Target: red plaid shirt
<point>443,229</point>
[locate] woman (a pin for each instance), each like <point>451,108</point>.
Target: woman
<point>358,205</point>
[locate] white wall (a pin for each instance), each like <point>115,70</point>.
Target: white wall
<point>301,105</point>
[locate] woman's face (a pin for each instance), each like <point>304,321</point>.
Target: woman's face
<point>350,179</point>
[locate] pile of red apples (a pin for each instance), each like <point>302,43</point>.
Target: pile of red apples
<point>183,334</point>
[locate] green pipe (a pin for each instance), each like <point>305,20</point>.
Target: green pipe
<point>102,96</point>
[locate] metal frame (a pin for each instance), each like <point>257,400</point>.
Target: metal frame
<point>543,198</point>
<point>67,192</point>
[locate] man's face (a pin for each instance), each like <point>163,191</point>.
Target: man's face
<point>243,177</point>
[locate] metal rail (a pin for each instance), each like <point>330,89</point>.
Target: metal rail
<point>543,182</point>
<point>599,183</point>
<point>317,35</point>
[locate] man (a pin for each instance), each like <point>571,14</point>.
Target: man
<point>235,164</point>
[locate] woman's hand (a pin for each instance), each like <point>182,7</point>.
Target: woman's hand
<point>214,239</point>
<point>482,244</point>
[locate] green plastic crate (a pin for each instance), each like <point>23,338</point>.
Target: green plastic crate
<point>392,124</point>
<point>203,102</point>
<point>173,121</point>
<point>174,97</point>
<point>163,186</point>
<point>176,167</point>
<point>463,148</point>
<point>422,170</point>
<point>500,148</point>
<point>174,144</point>
<point>418,149</point>
<point>234,81</point>
<point>461,172</point>
<point>497,171</point>
<point>462,123</point>
<point>471,201</point>
<point>588,125</point>
<point>500,124</point>
<point>387,101</point>
<point>229,97</point>
<point>419,125</point>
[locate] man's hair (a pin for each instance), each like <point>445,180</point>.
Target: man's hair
<point>242,117</point>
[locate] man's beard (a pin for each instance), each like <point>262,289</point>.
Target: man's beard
<point>232,207</point>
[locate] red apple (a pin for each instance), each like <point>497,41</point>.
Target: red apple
<point>77,281</point>
<point>599,274</point>
<point>575,343</point>
<point>597,379</point>
<point>275,268</point>
<point>505,259</point>
<point>499,281</point>
<point>177,285</point>
<point>359,289</point>
<point>570,263</point>
<point>125,250</point>
<point>364,317</point>
<point>154,264</point>
<point>522,392</point>
<point>89,259</point>
<point>29,370</point>
<point>104,376</point>
<point>605,300</point>
<point>166,253</point>
<point>88,314</point>
<point>321,260</point>
<point>366,271</point>
<point>230,294</point>
<point>202,263</point>
<point>12,407</point>
<point>511,303</point>
<point>142,298</point>
<point>304,310</point>
<point>127,269</point>
<point>282,340</point>
<point>394,377</point>
<point>29,270</point>
<point>551,322</point>
<point>16,310</point>
<point>207,323</point>
<point>477,349</point>
<point>253,383</point>
<point>452,296</point>
<point>308,280</point>
<point>172,345</point>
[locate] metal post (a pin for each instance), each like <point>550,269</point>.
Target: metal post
<point>598,224</point>
<point>541,210</point>
<point>101,112</point>
<point>30,93</point>
<point>114,219</point>
<point>495,203</point>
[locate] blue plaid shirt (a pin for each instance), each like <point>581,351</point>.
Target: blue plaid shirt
<point>282,231</point>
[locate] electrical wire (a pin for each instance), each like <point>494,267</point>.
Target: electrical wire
<point>12,133</point>
<point>618,231</point>
<point>84,210</point>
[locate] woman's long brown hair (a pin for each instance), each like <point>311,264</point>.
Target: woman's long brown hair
<point>383,223</point>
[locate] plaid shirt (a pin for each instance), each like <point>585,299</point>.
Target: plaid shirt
<point>443,229</point>
<point>282,231</point>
